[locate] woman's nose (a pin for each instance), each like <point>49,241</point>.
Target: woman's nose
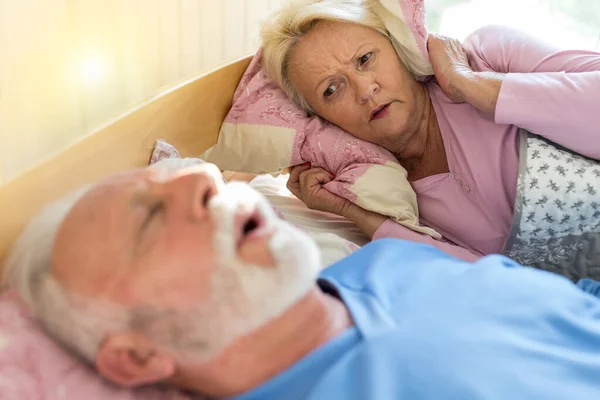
<point>366,88</point>
<point>190,190</point>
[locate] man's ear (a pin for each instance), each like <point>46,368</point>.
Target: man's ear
<point>130,360</point>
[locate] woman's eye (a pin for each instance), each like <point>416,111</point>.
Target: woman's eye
<point>364,59</point>
<point>330,90</point>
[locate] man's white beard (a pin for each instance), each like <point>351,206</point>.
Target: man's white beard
<point>244,296</point>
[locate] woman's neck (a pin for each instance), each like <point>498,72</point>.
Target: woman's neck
<point>425,155</point>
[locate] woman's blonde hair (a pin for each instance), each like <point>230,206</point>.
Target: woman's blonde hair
<point>296,20</point>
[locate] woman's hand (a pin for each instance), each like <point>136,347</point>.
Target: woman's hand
<point>456,78</point>
<point>450,63</point>
<point>306,183</point>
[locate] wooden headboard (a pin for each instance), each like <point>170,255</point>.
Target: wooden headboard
<point>188,116</point>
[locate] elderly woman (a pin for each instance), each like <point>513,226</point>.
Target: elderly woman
<point>457,135</point>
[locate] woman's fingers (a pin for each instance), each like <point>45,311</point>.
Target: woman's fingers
<point>306,183</point>
<point>297,170</point>
<point>313,177</point>
<point>449,60</point>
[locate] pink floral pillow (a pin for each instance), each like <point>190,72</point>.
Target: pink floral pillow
<point>32,366</point>
<point>265,132</point>
<point>406,22</point>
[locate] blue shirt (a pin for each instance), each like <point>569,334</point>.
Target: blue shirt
<point>429,326</point>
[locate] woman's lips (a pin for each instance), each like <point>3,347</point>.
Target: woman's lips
<point>381,112</point>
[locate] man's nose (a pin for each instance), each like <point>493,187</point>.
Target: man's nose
<point>190,190</point>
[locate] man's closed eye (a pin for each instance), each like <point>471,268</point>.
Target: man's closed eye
<point>154,210</point>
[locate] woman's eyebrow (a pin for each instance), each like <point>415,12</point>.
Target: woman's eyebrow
<point>321,82</point>
<point>357,53</point>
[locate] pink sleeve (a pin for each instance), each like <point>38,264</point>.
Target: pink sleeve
<point>546,91</point>
<point>391,229</point>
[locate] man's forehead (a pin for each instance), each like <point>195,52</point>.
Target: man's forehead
<point>84,250</point>
<point>123,178</point>
<point>114,185</point>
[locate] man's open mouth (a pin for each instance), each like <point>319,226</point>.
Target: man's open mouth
<point>250,225</point>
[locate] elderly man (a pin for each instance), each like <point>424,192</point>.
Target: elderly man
<point>161,276</point>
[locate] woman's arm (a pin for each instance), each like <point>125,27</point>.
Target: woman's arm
<point>480,89</point>
<point>306,183</point>
<point>525,82</point>
<point>367,221</point>
<point>391,229</point>
<point>377,226</point>
<point>457,79</point>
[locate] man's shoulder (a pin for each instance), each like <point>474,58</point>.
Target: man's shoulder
<point>380,367</point>
<point>404,364</point>
<point>384,256</point>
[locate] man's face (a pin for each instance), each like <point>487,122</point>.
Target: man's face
<point>183,242</point>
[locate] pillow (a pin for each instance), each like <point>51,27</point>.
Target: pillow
<point>264,132</point>
<point>32,366</point>
<point>406,23</point>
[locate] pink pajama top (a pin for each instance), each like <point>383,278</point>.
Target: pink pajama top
<point>555,94</point>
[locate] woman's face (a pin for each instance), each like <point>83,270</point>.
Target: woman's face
<point>351,76</point>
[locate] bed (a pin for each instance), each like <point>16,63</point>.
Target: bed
<point>188,116</point>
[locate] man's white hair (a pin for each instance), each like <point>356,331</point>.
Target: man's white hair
<point>75,322</point>
<point>78,323</point>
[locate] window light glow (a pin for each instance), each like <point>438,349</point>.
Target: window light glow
<point>92,70</point>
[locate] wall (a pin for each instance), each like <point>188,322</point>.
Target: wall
<point>67,67</point>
